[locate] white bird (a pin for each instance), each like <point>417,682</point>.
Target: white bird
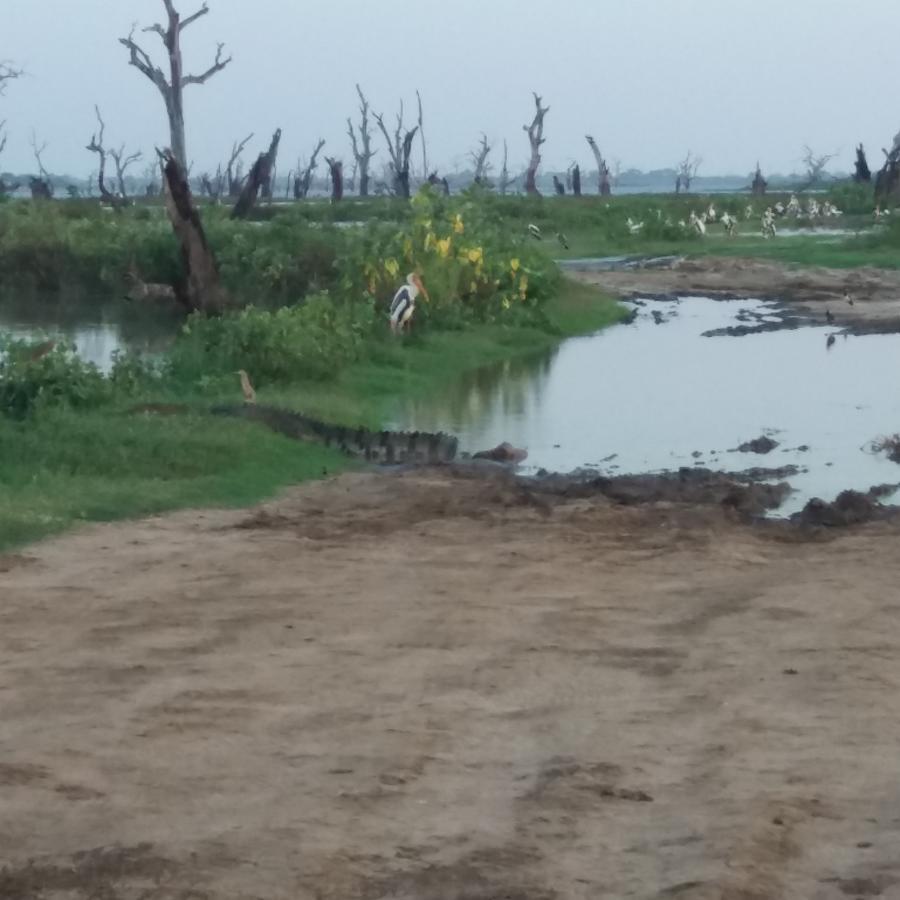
<point>768,224</point>
<point>535,232</point>
<point>730,223</point>
<point>748,212</point>
<point>634,227</point>
<point>711,214</point>
<point>793,207</point>
<point>404,303</point>
<point>697,223</point>
<point>813,209</point>
<point>779,208</point>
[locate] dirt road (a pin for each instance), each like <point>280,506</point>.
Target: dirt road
<point>433,687</point>
<point>875,292</point>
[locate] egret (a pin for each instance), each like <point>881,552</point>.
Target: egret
<point>403,306</point>
<point>247,388</point>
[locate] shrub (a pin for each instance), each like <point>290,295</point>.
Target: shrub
<point>32,377</point>
<point>312,340</point>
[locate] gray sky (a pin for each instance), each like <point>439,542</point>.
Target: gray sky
<point>732,80</point>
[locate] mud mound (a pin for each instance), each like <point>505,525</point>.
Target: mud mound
<point>850,508</point>
<point>761,445</point>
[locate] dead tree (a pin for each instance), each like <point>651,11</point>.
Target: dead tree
<point>535,132</point>
<point>480,161</point>
<point>400,150</point>
<point>5,187</point>
<point>422,136</point>
<point>362,149</point>
<point>172,88</point>
<point>759,186</point>
<point>887,181</point>
<point>41,186</point>
<point>686,172</point>
<point>96,146</point>
<point>336,167</point>
<point>122,161</point>
<point>576,180</point>
<point>603,185</point>
<point>558,187</point>
<point>435,181</point>
<point>260,175</point>
<point>200,289</point>
<point>815,167</point>
<point>303,178</point>
<point>863,174</point>
<point>7,73</point>
<point>213,186</point>
<point>234,171</point>
<point>505,182</point>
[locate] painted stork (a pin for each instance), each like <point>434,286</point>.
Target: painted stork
<point>710,215</point>
<point>247,388</point>
<point>793,207</point>
<point>697,223</point>
<point>535,232</point>
<point>564,243</point>
<point>768,224</point>
<point>730,223</point>
<point>403,306</point>
<point>633,227</point>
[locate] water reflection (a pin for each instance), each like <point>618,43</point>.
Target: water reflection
<point>98,326</point>
<point>659,397</point>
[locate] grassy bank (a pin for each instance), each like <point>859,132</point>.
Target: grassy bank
<point>68,466</point>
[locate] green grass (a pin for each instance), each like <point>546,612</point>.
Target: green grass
<point>63,467</point>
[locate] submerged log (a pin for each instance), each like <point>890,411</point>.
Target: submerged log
<point>200,289</point>
<point>258,178</point>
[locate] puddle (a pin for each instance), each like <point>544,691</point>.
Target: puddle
<point>649,397</point>
<point>99,327</point>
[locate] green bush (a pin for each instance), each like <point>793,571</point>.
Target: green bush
<point>31,377</point>
<point>312,340</point>
<point>852,198</point>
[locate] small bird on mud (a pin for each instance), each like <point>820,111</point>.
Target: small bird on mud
<point>403,306</point>
<point>247,388</point>
<point>562,240</point>
<point>848,298</point>
<point>830,342</point>
<point>829,316</point>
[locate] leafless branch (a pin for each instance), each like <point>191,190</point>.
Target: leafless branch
<point>8,73</point>
<point>217,66</point>
<point>193,18</point>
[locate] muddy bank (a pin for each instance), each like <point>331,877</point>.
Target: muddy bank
<point>424,686</point>
<point>875,292</point>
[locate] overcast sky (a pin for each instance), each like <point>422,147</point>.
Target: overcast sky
<point>733,80</point>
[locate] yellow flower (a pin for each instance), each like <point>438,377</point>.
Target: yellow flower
<point>506,303</point>
<point>458,226</point>
<point>408,248</point>
<point>473,287</point>
<point>514,265</point>
<point>523,287</point>
<point>476,255</point>
<point>429,241</point>
<point>392,267</point>
<point>444,247</point>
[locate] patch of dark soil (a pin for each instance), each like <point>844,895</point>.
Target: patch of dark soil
<point>760,445</point>
<point>850,508</point>
<point>98,873</point>
<point>688,485</point>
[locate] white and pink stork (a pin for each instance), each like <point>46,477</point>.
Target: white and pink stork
<point>403,306</point>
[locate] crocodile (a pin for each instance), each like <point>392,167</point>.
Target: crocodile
<point>383,447</point>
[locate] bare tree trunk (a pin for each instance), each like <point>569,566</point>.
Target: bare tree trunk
<point>41,186</point>
<point>535,133</point>
<point>863,174</point>
<point>259,176</point>
<point>172,89</point>
<point>303,180</point>
<point>480,161</point>
<point>337,178</point>
<point>422,136</point>
<point>232,173</point>
<point>558,187</point>
<point>576,180</point>
<point>759,185</point>
<point>362,150</point>
<point>603,185</point>
<point>96,146</point>
<point>400,151</point>
<point>201,290</point>
<point>505,181</point>
<point>887,182</point>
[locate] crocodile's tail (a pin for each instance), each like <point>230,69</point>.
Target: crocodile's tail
<point>386,447</point>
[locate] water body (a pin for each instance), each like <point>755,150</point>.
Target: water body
<point>98,326</point>
<point>647,397</point>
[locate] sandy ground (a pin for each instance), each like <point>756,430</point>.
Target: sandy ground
<point>875,292</point>
<point>432,687</point>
